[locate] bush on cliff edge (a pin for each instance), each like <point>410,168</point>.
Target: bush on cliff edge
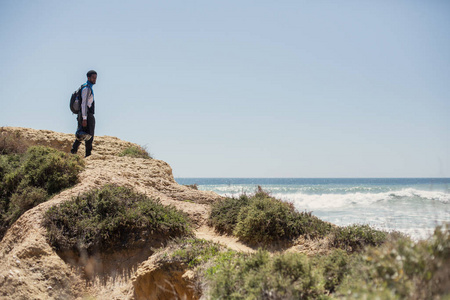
<point>30,178</point>
<point>357,237</point>
<point>111,217</point>
<point>264,219</point>
<point>136,152</point>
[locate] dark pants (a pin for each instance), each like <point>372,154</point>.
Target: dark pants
<point>89,129</point>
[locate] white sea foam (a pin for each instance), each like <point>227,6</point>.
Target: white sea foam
<point>323,201</point>
<point>427,195</point>
<point>334,196</point>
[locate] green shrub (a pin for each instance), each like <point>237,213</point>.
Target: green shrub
<point>30,178</point>
<point>402,269</point>
<point>356,237</point>
<point>111,217</point>
<point>136,152</point>
<point>224,213</point>
<point>23,200</point>
<point>41,167</point>
<point>335,266</point>
<point>439,243</point>
<point>263,219</point>
<point>50,169</point>
<point>266,220</point>
<point>9,169</point>
<point>194,252</point>
<point>260,276</point>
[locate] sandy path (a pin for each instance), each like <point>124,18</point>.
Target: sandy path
<point>207,233</point>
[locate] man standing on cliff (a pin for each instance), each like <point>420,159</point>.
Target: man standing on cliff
<point>86,119</point>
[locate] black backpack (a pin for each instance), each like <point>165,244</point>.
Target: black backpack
<point>75,100</point>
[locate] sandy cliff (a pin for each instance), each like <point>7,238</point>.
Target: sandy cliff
<point>30,269</point>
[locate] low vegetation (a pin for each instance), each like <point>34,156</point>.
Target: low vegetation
<point>402,269</point>
<point>194,252</point>
<point>357,237</point>
<point>233,275</point>
<point>30,176</point>
<point>224,213</point>
<point>398,269</point>
<point>136,152</point>
<point>109,218</point>
<point>263,219</point>
<point>227,274</point>
<point>261,276</point>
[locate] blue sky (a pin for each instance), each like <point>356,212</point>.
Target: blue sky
<point>242,88</point>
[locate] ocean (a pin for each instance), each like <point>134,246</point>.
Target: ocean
<point>414,206</point>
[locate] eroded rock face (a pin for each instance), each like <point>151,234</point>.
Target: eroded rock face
<point>31,269</point>
<point>160,279</point>
<point>105,266</point>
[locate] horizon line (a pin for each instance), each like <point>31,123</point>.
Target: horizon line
<point>317,177</point>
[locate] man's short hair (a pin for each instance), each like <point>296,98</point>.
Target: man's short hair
<point>90,73</point>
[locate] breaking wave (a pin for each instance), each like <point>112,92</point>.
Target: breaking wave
<point>312,201</point>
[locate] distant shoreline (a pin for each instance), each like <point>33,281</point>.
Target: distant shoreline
<point>288,180</point>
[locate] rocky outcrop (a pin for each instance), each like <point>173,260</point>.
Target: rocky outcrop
<point>31,269</point>
<point>157,278</point>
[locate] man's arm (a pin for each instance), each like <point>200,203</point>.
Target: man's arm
<point>84,98</point>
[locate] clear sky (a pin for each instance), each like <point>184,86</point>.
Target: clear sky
<point>242,88</point>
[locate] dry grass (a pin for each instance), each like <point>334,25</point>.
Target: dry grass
<point>12,142</point>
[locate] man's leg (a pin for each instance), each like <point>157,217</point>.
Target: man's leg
<point>88,145</point>
<point>90,129</point>
<point>75,146</point>
<point>77,143</point>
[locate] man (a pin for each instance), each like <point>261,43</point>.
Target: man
<point>86,119</point>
